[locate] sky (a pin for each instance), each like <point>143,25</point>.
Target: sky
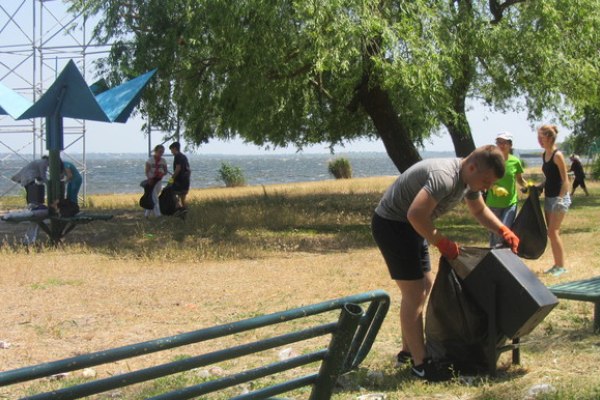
<point>128,137</point>
<point>485,125</point>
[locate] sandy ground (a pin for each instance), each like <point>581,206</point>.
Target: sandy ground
<point>60,305</point>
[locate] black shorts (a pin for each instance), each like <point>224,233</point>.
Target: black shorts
<point>405,252</point>
<point>579,182</point>
<point>181,186</point>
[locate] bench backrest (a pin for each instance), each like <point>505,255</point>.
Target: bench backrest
<point>352,335</point>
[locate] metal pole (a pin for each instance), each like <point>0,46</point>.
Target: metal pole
<point>34,71</point>
<point>516,351</point>
<point>149,130</point>
<point>54,144</point>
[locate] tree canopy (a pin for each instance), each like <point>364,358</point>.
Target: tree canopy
<point>277,72</point>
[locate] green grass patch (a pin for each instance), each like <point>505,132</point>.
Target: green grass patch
<point>55,282</point>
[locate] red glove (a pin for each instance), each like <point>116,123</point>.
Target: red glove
<point>509,238</point>
<point>448,248</point>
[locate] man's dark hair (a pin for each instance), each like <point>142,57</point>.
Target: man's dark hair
<point>175,145</point>
<point>489,157</point>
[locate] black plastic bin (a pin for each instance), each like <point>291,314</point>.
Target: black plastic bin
<point>498,279</point>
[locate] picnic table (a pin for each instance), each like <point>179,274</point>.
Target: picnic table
<point>55,226</point>
<point>582,290</point>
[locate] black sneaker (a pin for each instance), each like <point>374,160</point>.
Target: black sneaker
<point>431,371</point>
<point>403,358</point>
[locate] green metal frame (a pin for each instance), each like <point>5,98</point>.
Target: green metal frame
<point>353,335</point>
<point>582,290</point>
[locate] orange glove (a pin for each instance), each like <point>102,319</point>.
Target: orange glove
<point>448,248</point>
<point>509,238</point>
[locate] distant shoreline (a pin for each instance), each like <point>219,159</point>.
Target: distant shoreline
<point>524,153</point>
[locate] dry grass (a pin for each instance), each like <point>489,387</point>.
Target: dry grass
<point>247,251</point>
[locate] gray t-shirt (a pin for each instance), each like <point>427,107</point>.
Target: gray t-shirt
<point>439,177</point>
<point>34,170</point>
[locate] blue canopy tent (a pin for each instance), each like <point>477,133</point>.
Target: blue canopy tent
<point>12,103</point>
<point>70,97</point>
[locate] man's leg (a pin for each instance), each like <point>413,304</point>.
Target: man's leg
<point>584,188</point>
<point>31,233</point>
<point>155,194</point>
<point>414,295</point>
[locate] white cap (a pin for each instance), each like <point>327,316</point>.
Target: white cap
<point>505,136</point>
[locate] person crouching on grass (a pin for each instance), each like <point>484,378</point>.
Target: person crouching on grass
<point>403,225</point>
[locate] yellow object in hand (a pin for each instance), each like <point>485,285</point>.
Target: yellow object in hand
<point>170,181</point>
<point>499,191</point>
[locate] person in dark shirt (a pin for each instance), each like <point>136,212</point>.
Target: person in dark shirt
<point>579,175</point>
<point>556,192</point>
<point>181,174</point>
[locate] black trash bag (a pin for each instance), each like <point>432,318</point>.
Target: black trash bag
<point>456,328</point>
<point>530,227</point>
<point>146,201</point>
<point>167,201</point>
<point>66,208</point>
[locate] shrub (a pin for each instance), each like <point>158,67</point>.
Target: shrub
<point>340,168</point>
<point>232,176</point>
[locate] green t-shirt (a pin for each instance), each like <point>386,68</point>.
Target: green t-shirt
<point>508,182</point>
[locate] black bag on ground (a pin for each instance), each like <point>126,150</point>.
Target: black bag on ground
<point>146,201</point>
<point>167,201</point>
<point>66,208</point>
<point>530,227</point>
<point>455,326</point>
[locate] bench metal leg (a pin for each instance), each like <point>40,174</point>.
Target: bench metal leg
<point>333,364</point>
<point>516,352</point>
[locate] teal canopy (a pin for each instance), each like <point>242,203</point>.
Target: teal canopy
<point>11,103</point>
<point>70,97</point>
<point>118,102</point>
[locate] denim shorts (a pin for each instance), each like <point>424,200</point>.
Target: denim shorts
<point>557,204</point>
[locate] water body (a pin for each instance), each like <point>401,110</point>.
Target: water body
<point>122,173</point>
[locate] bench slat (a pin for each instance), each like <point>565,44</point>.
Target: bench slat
<point>585,290</point>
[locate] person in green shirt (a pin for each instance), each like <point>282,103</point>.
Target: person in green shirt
<point>502,197</point>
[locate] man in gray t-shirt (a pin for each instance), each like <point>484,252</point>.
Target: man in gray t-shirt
<point>27,176</point>
<point>440,178</point>
<point>403,225</point>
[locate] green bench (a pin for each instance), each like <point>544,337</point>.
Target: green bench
<point>583,290</point>
<point>347,333</point>
<point>57,227</point>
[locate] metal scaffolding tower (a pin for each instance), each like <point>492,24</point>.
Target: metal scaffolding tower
<point>37,39</point>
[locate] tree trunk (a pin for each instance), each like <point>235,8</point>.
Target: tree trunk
<point>456,121</point>
<point>395,136</point>
<point>460,132</point>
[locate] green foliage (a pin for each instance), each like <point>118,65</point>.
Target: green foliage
<point>304,72</point>
<point>340,168</point>
<point>586,134</point>
<point>232,176</point>
<point>596,168</point>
